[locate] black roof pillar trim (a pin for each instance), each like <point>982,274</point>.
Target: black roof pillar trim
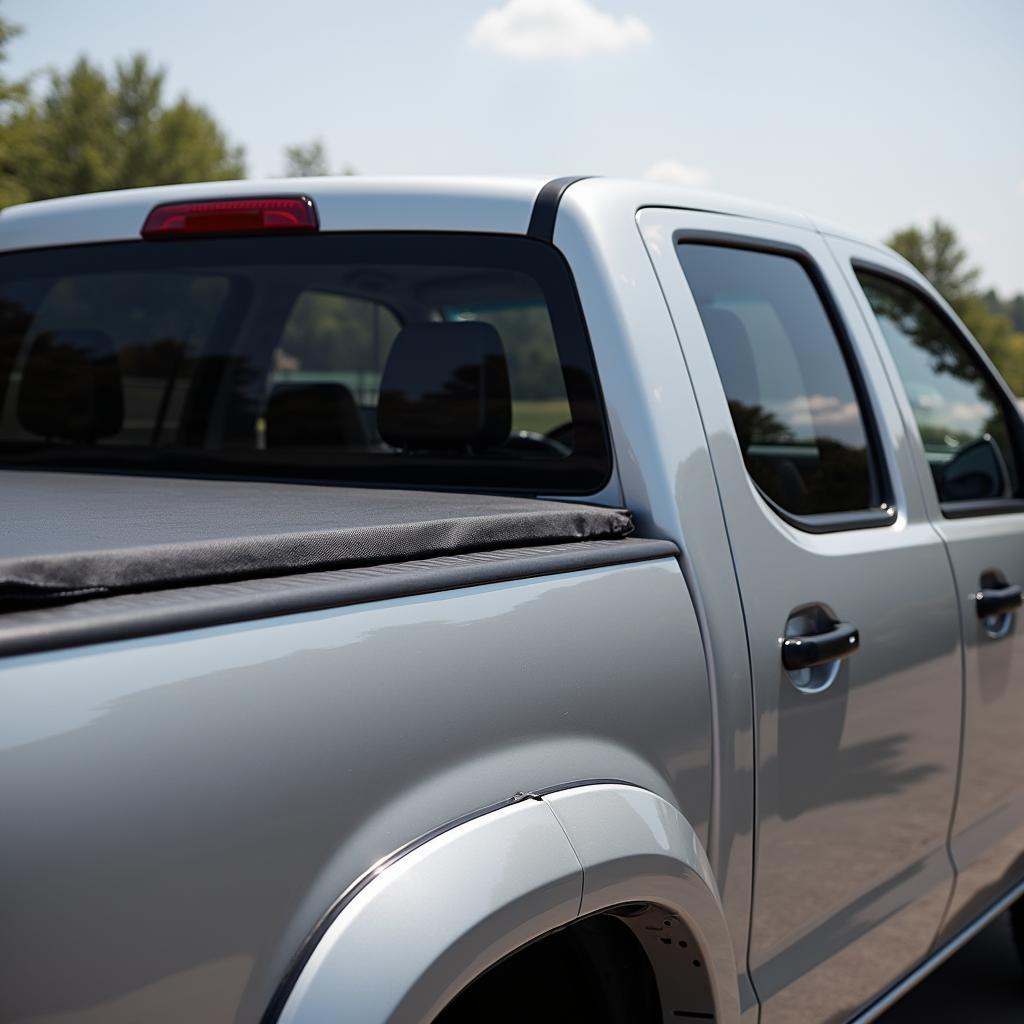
<point>545,206</point>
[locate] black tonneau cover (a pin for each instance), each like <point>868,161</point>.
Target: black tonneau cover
<point>70,536</point>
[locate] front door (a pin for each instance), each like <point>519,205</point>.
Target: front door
<point>967,438</point>
<point>850,610</point>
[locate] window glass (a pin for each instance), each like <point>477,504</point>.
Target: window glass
<point>334,337</point>
<point>429,359</point>
<point>958,412</point>
<point>793,403</point>
<point>331,337</point>
<point>539,402</point>
<point>155,327</point>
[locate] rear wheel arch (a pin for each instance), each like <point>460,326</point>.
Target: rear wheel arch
<point>594,970</point>
<point>633,964</point>
<point>570,873</point>
<point>644,862</point>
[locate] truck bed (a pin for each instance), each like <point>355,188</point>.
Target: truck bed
<point>87,557</point>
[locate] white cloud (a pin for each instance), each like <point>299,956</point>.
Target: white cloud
<point>554,29</point>
<point>820,411</point>
<point>972,414</point>
<point>672,172</point>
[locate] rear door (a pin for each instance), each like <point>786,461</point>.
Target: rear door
<point>966,438</point>
<point>851,616</point>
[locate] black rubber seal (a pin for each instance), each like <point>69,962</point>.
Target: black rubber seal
<point>545,206</point>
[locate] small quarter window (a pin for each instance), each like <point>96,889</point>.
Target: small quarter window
<point>960,416</point>
<point>793,401</point>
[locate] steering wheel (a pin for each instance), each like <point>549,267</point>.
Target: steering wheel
<point>527,441</point>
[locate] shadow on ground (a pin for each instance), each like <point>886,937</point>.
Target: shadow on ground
<point>982,984</point>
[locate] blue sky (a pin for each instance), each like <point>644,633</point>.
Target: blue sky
<point>872,114</point>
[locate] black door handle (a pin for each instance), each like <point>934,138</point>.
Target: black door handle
<point>840,641</point>
<point>998,600</point>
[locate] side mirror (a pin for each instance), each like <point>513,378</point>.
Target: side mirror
<point>975,473</point>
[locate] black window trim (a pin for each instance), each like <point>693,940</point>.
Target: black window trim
<point>878,466</point>
<point>1007,400</point>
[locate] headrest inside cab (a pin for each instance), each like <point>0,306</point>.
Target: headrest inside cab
<point>445,387</point>
<point>71,387</point>
<point>320,414</point>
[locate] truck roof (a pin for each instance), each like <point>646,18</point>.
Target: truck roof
<point>354,203</point>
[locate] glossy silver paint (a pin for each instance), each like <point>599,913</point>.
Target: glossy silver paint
<point>667,479</point>
<point>427,925</point>
<point>498,881</point>
<point>188,807</point>
<point>353,204</point>
<point>635,846</point>
<point>856,783</point>
<point>940,956</point>
<point>987,834</point>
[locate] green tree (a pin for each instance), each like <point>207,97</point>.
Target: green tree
<point>309,159</point>
<point>305,160</point>
<point>90,132</point>
<point>10,92</point>
<point>1012,308</point>
<point>14,96</point>
<point>1015,312</point>
<point>939,255</point>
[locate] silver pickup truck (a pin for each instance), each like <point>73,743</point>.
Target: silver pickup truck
<point>498,601</point>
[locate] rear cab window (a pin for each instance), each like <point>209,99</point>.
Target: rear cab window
<point>406,359</point>
<point>797,405</point>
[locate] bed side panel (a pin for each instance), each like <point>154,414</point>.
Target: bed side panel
<point>180,811</point>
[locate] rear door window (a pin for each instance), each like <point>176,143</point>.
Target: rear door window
<point>798,414</point>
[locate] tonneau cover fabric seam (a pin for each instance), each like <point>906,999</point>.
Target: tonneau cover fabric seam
<point>68,537</point>
<point>159,612</point>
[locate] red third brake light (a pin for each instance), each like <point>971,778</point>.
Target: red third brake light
<point>231,217</point>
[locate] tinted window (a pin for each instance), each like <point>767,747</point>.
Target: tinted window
<point>793,402</point>
<point>438,360</point>
<point>153,322</point>
<point>958,411</point>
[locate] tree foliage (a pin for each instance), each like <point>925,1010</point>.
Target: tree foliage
<point>88,132</point>
<point>10,92</point>
<point>13,98</point>
<point>1012,308</point>
<point>305,160</point>
<point>997,324</point>
<point>938,254</point>
<point>309,159</point>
